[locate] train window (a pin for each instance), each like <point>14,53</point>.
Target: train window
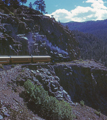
<point>3,59</point>
<point>20,59</point>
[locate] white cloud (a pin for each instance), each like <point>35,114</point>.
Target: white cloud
<point>97,11</point>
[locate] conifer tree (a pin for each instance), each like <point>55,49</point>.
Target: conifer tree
<point>40,5</point>
<point>23,1</point>
<point>30,5</point>
<point>14,3</point>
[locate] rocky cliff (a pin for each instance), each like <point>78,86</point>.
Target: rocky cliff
<point>85,80</point>
<point>33,33</point>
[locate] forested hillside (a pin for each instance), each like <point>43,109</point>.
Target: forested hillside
<point>92,39</point>
<point>91,47</point>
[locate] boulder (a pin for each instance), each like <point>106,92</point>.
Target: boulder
<point>24,41</point>
<point>22,28</point>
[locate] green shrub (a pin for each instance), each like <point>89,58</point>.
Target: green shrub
<point>49,107</point>
<point>82,103</point>
<point>11,13</point>
<point>1,66</point>
<point>12,65</point>
<point>97,113</point>
<point>29,87</point>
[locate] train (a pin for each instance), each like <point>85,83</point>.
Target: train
<point>23,59</point>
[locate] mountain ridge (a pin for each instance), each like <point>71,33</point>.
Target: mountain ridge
<point>96,28</point>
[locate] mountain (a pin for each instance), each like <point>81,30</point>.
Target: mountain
<point>97,28</point>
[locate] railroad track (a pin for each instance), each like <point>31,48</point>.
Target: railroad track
<point>29,65</point>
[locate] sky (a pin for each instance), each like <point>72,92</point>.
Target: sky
<point>75,10</point>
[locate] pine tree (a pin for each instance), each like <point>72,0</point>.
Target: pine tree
<point>14,3</point>
<point>30,5</point>
<point>40,5</point>
<point>23,1</point>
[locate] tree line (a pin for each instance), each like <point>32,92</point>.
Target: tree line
<point>39,4</point>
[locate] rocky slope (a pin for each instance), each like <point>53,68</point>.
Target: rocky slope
<point>55,79</point>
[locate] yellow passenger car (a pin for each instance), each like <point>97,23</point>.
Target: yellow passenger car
<point>41,59</point>
<point>20,59</point>
<point>4,59</point>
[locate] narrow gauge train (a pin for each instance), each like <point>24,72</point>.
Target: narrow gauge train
<point>23,59</point>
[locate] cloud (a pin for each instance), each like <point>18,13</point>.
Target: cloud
<point>96,11</point>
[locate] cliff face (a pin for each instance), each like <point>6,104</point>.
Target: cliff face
<point>35,34</point>
<point>85,80</point>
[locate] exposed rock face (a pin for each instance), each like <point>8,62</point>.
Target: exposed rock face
<point>8,46</point>
<point>24,41</point>
<point>86,81</point>
<point>22,28</point>
<point>48,79</point>
<point>53,37</point>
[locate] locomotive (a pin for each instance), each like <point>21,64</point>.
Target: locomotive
<point>23,59</point>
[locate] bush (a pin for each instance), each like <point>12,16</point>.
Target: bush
<point>97,113</point>
<point>49,107</point>
<point>1,66</point>
<point>82,103</point>
<point>12,65</point>
<point>11,13</point>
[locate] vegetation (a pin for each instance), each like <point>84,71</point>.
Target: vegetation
<point>30,5</point>
<point>49,107</point>
<point>82,103</point>
<point>12,3</point>
<point>23,1</point>
<point>1,66</point>
<point>91,47</point>
<point>40,5</point>
<point>97,113</point>
<point>12,65</point>
<point>92,39</point>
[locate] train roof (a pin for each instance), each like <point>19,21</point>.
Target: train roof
<point>41,56</point>
<point>25,56</point>
<point>20,56</point>
<point>30,56</point>
<point>4,57</point>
